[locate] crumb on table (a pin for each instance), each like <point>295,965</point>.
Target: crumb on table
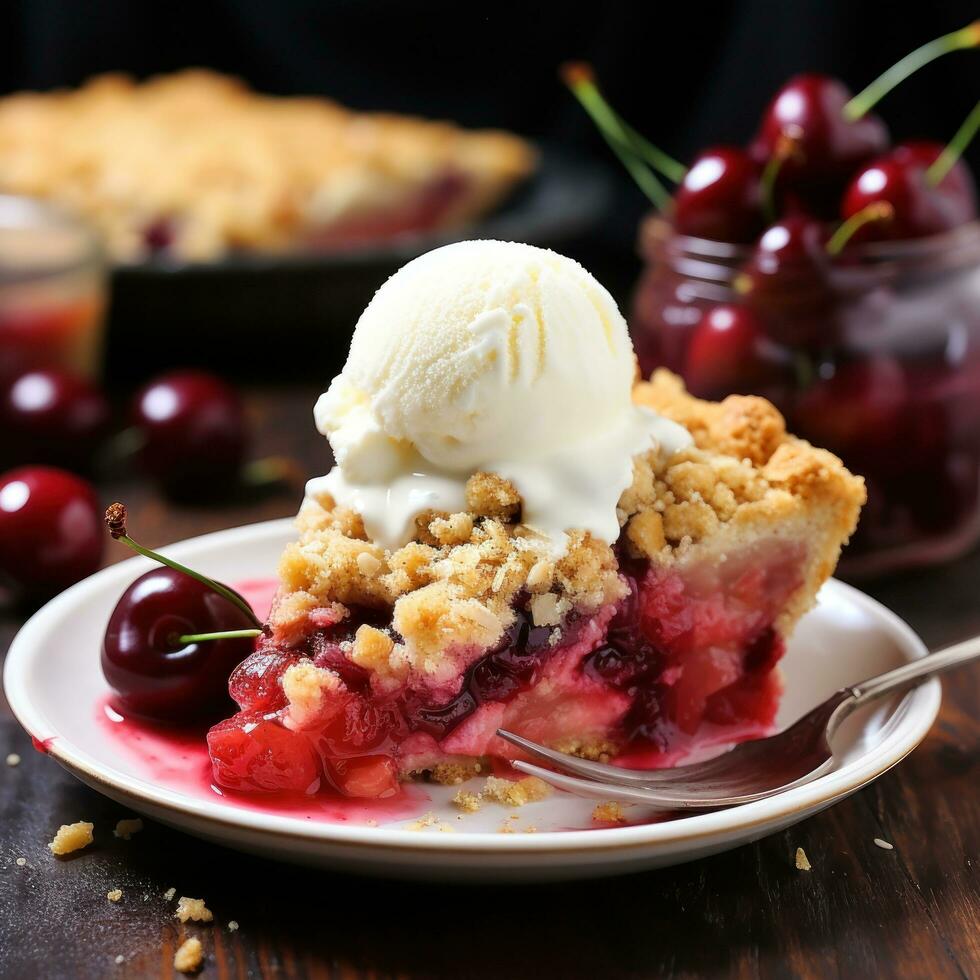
<point>72,837</point>
<point>802,861</point>
<point>126,828</point>
<point>232,926</point>
<point>192,908</point>
<point>21,862</point>
<point>13,759</point>
<point>114,895</point>
<point>608,812</point>
<point>884,845</point>
<point>169,894</point>
<point>189,955</point>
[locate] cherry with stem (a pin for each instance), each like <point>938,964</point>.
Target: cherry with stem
<point>115,521</point>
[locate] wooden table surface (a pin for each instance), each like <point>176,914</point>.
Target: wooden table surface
<point>860,912</point>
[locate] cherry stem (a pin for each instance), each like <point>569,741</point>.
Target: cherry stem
<point>579,79</point>
<point>115,519</point>
<point>225,635</point>
<point>875,211</point>
<point>965,37</point>
<point>786,146</point>
<point>954,148</point>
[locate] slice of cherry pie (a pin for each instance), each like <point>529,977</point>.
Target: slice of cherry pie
<point>387,663</point>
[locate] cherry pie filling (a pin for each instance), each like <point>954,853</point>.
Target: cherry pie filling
<point>687,658</point>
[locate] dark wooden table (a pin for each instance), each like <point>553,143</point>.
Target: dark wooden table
<point>860,912</point>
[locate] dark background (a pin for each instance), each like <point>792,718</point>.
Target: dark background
<point>688,74</point>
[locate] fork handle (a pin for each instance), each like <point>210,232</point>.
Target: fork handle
<point>912,673</point>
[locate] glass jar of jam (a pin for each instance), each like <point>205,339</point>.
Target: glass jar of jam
<point>886,373</point>
<point>52,290</point>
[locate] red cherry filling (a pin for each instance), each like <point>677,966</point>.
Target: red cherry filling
<point>50,530</point>
<point>682,650</point>
<point>152,672</point>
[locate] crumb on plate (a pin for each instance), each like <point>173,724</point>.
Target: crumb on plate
<point>72,837</point>
<point>465,800</point>
<point>608,812</point>
<point>530,789</point>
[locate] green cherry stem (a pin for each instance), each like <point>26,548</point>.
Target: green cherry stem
<point>876,211</point>
<point>965,37</point>
<point>579,79</point>
<point>787,146</point>
<point>115,521</point>
<point>954,148</point>
<point>225,635</point>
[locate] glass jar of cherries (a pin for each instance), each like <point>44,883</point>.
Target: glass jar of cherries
<point>837,274</point>
<point>52,290</point>
<point>879,361</point>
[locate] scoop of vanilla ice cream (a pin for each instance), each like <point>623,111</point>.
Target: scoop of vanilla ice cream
<point>491,356</point>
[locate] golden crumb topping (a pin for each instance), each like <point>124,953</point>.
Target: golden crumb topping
<point>517,792</point>
<point>608,812</point>
<point>72,837</point>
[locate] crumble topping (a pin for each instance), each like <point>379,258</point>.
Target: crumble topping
<point>306,686</point>
<point>455,772</point>
<point>192,908</point>
<point>802,861</point>
<point>189,955</point>
<point>126,828</point>
<point>72,837</point>
<point>114,895</point>
<point>608,812</point>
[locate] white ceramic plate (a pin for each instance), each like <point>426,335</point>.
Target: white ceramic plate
<point>55,688</point>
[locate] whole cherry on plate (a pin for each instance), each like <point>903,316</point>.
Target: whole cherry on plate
<point>50,530</point>
<point>731,353</point>
<point>923,200</point>
<point>173,639</point>
<point>49,415</point>
<point>720,197</point>
<point>193,433</point>
<point>809,110</point>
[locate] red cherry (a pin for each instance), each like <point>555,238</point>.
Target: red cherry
<point>786,280</point>
<point>155,675</point>
<point>194,432</point>
<point>50,530</point>
<point>730,353</point>
<point>256,683</point>
<point>809,110</point>
<point>253,752</point>
<point>857,409</point>
<point>719,197</point>
<point>51,416</point>
<point>918,207</point>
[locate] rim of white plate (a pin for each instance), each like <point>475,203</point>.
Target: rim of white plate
<point>904,730</point>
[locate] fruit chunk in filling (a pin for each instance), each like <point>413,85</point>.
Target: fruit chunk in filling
<point>687,658</point>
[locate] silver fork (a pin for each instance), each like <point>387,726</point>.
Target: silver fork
<point>750,771</point>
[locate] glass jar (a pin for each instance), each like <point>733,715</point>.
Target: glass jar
<point>52,290</point>
<point>883,369</point>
